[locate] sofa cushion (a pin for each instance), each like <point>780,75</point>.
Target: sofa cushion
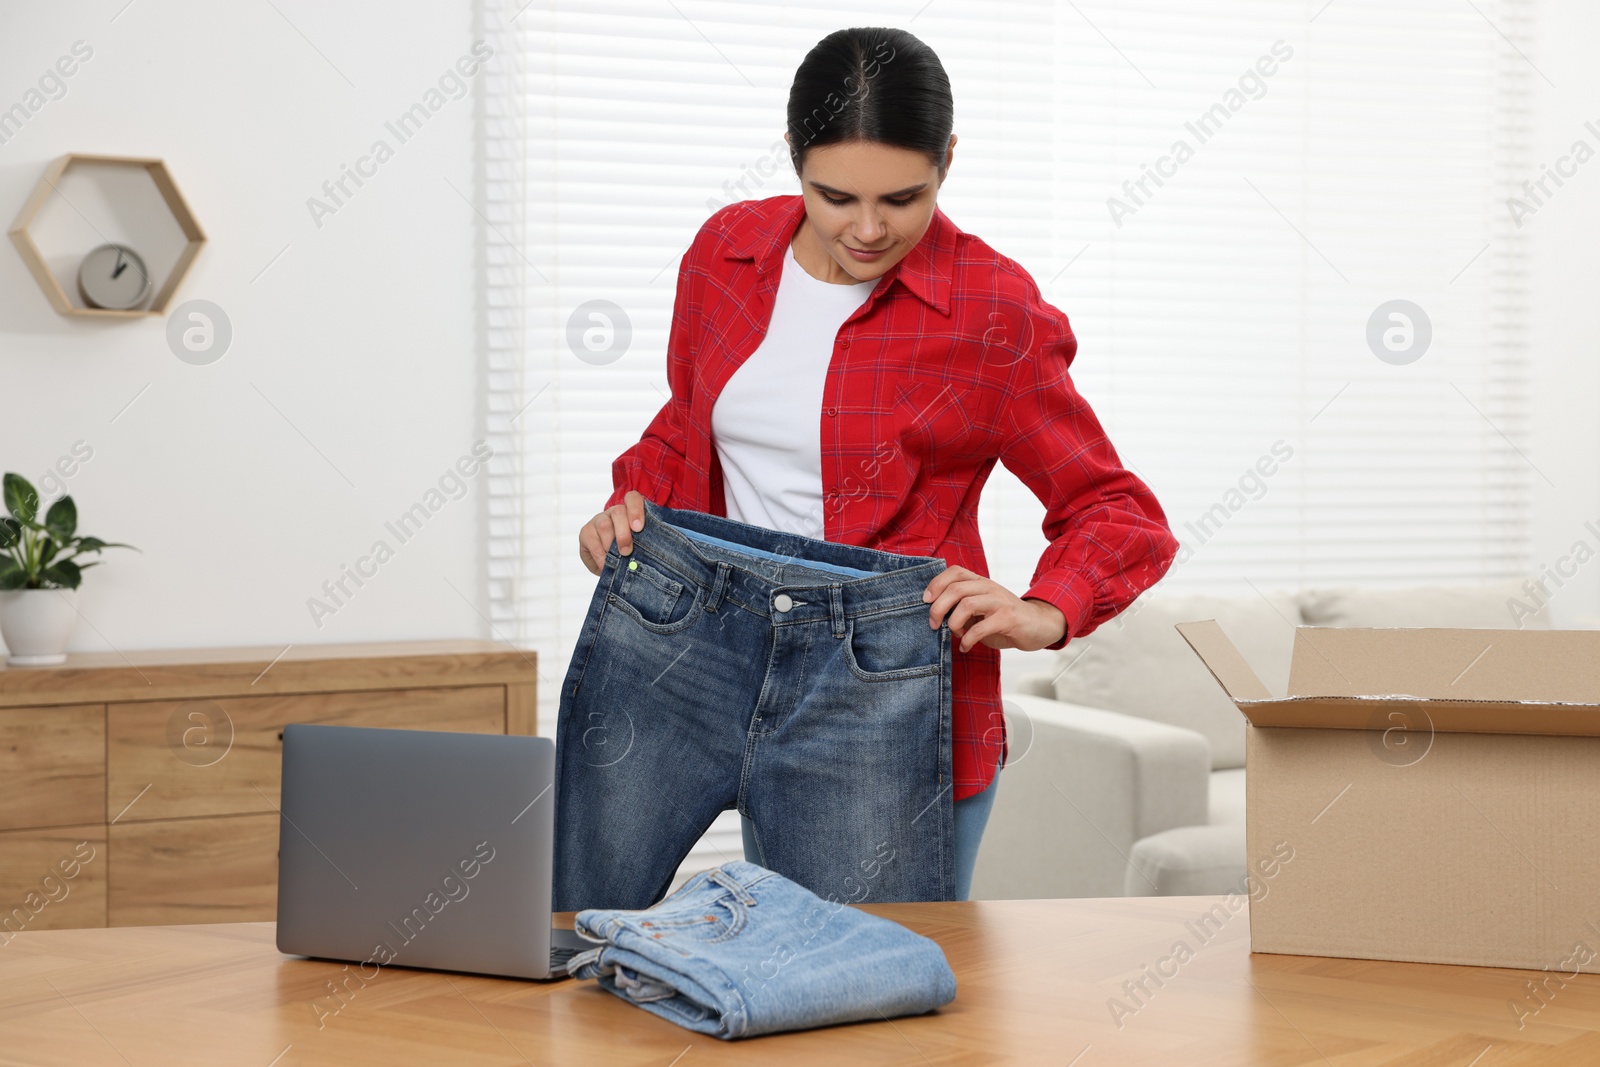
<point>1189,861</point>
<point>1226,796</point>
<point>1138,664</point>
<point>1492,606</point>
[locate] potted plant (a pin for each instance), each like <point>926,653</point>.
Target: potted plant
<point>40,570</point>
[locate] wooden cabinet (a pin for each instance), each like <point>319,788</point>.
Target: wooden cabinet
<point>52,879</point>
<point>160,867</point>
<point>168,759</point>
<point>52,766</point>
<point>153,776</point>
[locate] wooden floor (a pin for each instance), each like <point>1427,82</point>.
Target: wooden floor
<point>1039,982</point>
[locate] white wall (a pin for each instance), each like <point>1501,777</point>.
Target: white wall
<point>1564,247</point>
<point>365,333</point>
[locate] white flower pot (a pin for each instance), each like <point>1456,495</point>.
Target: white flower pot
<point>36,624</point>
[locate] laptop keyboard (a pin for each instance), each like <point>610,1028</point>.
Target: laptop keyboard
<point>559,958</point>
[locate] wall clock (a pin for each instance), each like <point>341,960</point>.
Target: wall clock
<point>114,277</point>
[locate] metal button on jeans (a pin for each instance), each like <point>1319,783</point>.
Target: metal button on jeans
<point>781,602</point>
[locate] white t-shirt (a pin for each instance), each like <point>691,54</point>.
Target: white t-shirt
<point>767,421</point>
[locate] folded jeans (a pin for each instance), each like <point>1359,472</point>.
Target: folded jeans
<point>740,950</point>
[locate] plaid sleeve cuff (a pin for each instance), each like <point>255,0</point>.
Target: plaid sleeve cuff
<point>1068,592</point>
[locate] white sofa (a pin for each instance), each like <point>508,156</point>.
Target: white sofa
<point>1126,768</point>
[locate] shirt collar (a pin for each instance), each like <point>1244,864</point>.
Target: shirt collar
<point>925,271</point>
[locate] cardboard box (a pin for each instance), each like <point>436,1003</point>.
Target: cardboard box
<point>1439,790</point>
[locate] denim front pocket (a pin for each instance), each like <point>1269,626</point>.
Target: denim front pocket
<point>651,595</point>
<point>707,922</point>
<point>892,645</point>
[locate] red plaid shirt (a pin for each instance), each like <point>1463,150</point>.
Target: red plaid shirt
<point>953,362</point>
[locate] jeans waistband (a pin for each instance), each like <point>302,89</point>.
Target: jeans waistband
<point>752,565</point>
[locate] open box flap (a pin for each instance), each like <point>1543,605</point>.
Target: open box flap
<point>1226,665</point>
<point>1421,713</point>
<point>1558,666</point>
<point>1539,713</point>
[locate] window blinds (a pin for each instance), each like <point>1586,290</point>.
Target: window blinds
<point>1227,200</point>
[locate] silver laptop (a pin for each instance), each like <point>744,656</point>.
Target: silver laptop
<point>414,848</point>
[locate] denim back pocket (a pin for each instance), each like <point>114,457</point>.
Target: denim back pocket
<point>652,594</point>
<point>891,645</point>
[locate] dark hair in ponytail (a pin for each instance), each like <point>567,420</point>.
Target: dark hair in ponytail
<point>871,83</point>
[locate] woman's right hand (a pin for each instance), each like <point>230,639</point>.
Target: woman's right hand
<point>617,523</point>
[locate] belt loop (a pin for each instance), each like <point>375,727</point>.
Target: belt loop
<point>836,608</point>
<point>718,585</point>
<point>733,885</point>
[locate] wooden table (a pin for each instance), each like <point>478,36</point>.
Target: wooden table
<point>1035,979</point>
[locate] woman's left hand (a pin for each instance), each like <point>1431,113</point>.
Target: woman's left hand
<point>982,611</point>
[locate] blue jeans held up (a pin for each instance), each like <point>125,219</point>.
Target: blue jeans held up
<point>972,816</point>
<point>740,951</point>
<point>724,665</point>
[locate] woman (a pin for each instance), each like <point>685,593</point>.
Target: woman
<point>848,365</point>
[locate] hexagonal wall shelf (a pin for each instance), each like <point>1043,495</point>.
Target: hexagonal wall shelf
<point>84,201</point>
